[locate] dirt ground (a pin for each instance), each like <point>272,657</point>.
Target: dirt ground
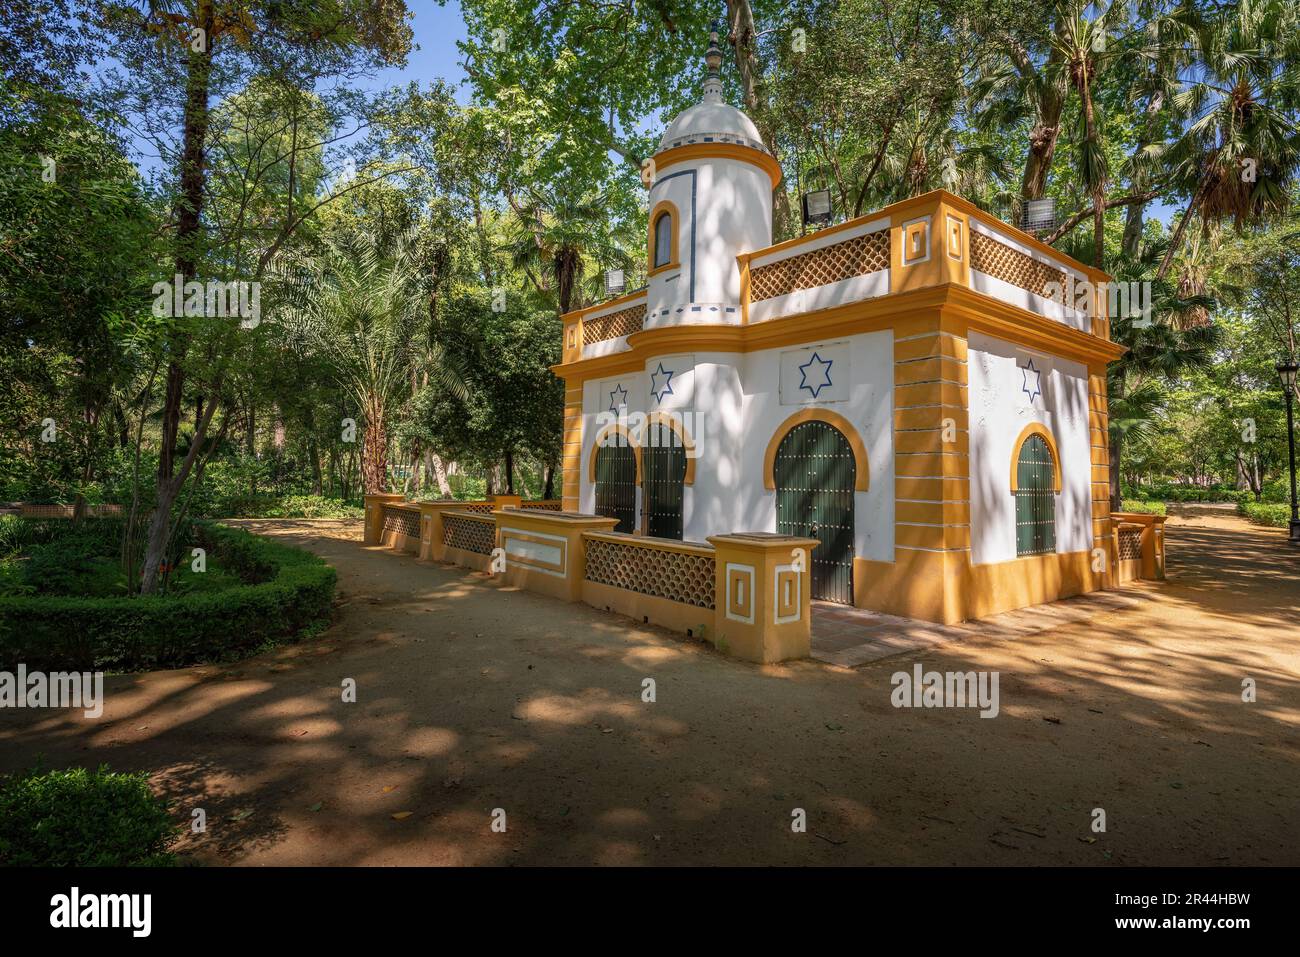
<point>472,697</point>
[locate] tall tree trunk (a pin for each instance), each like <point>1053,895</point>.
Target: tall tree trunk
<point>548,492</point>
<point>440,475</point>
<point>1048,106</point>
<point>250,442</point>
<point>1099,188</point>
<point>510,471</point>
<point>744,36</point>
<point>374,453</point>
<point>1134,215</point>
<point>189,219</point>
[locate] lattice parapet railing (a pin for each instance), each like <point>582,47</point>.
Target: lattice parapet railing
<point>402,519</point>
<point>1012,266</point>
<point>821,267</point>
<point>469,533</point>
<point>613,324</point>
<point>549,505</point>
<point>1130,542</point>
<point>677,573</point>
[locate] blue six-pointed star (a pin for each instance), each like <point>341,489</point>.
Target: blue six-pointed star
<point>657,390</point>
<point>818,378</point>
<point>1035,388</point>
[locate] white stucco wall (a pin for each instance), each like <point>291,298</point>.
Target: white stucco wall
<point>999,411</point>
<point>732,406</point>
<point>868,403</point>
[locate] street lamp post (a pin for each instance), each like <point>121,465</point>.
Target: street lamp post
<point>1287,372</point>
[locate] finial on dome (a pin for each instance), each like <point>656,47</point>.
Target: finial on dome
<point>713,59</point>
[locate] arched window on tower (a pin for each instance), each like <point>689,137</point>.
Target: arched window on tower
<point>663,232</point>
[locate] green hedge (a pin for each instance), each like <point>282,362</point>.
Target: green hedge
<point>285,591</point>
<point>1142,508</point>
<point>80,818</point>
<point>1266,513</point>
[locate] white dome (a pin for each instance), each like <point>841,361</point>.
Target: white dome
<point>712,122</point>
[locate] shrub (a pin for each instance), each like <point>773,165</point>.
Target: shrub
<point>285,591</point>
<point>1266,513</point>
<point>1142,508</point>
<point>80,818</point>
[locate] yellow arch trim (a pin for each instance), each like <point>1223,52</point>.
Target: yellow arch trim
<point>862,478</point>
<point>675,423</point>
<point>1036,428</point>
<point>674,261</point>
<point>600,440</point>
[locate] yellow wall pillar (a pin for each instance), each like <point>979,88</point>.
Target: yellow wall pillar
<point>374,516</point>
<point>545,551</point>
<point>571,453</point>
<point>762,587</point>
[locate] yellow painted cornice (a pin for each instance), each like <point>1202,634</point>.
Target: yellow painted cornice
<point>734,151</point>
<point>970,309</point>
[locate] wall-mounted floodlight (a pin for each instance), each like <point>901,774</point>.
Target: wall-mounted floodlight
<point>1039,215</point>
<point>614,282</point>
<point>816,207</point>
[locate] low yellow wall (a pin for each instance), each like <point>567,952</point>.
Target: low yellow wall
<point>945,587</point>
<point>687,619</point>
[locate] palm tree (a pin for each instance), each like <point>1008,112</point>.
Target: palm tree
<point>1024,85</point>
<point>1083,49</point>
<point>1161,345</point>
<point>1243,145</point>
<point>549,240</point>
<point>360,309</point>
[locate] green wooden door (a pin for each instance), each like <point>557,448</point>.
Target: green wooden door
<point>815,476</point>
<point>616,483</point>
<point>1035,499</point>
<point>663,481</point>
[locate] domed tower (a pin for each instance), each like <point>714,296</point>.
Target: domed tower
<point>710,200</point>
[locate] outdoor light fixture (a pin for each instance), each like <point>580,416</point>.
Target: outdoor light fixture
<point>614,282</point>
<point>816,207</point>
<point>1286,371</point>
<point>1039,215</point>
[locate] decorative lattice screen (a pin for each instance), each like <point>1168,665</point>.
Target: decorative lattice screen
<point>549,505</point>
<point>615,324</point>
<point>469,534</point>
<point>1011,265</point>
<point>683,577</point>
<point>1130,543</point>
<point>404,521</point>
<point>853,257</point>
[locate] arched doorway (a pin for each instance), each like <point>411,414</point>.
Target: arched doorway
<point>1034,489</point>
<point>616,481</point>
<point>663,480</point>
<point>815,474</point>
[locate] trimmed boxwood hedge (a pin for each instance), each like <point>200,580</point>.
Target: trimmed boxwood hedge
<point>83,818</point>
<point>286,590</point>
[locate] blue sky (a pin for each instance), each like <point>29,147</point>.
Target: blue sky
<point>436,28</point>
